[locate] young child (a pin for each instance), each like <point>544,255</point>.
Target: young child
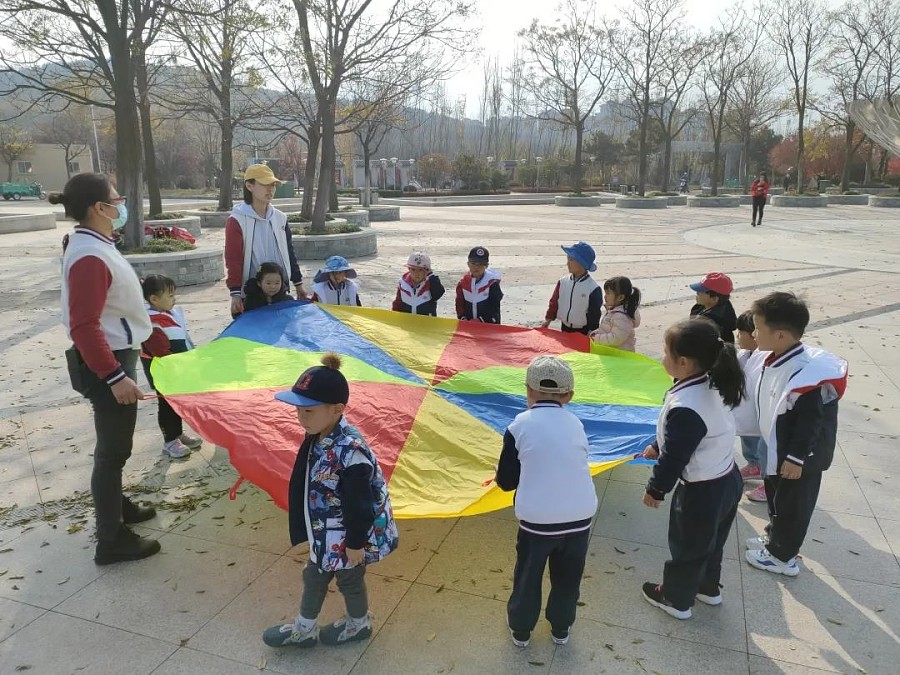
<point>478,293</point>
<point>577,300</point>
<point>334,285</point>
<point>621,300</point>
<point>746,420</point>
<point>266,288</point>
<point>420,288</point>
<point>545,460</point>
<point>338,502</point>
<point>169,336</point>
<point>798,392</point>
<point>714,302</point>
<point>695,447</point>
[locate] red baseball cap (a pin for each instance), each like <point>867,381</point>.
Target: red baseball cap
<point>717,282</point>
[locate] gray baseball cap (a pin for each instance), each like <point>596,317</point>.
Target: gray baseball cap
<point>550,375</point>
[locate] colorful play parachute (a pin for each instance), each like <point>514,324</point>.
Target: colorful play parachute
<point>432,396</point>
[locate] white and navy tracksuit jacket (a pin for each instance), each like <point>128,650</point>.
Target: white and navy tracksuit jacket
<point>479,299</point>
<point>694,436</point>
<point>577,303</point>
<point>545,460</point>
<point>346,293</point>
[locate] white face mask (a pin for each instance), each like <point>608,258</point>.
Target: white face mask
<point>119,222</point>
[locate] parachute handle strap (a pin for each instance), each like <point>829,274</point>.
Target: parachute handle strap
<point>232,493</point>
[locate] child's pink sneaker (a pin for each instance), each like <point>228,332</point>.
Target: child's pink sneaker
<point>758,494</point>
<point>751,472</point>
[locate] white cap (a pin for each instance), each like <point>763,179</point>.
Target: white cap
<point>419,259</point>
<point>550,375</point>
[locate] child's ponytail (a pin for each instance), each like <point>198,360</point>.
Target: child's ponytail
<point>726,374</point>
<point>699,339</point>
<point>632,302</point>
<point>622,286</point>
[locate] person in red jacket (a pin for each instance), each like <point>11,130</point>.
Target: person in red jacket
<point>760,191</point>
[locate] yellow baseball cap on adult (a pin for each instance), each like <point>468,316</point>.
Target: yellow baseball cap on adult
<point>262,174</point>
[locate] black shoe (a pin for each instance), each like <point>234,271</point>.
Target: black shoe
<point>126,546</point>
<point>710,594</point>
<point>560,636</point>
<point>132,513</point>
<point>653,593</point>
<point>752,223</point>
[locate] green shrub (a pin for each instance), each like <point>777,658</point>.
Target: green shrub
<point>168,215</point>
<point>165,246</point>
<point>659,193</point>
<point>297,218</point>
<point>850,192</point>
<point>339,228</point>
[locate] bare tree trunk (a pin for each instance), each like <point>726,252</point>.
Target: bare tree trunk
<point>642,144</point>
<point>151,174</point>
<point>326,179</point>
<point>714,174</point>
<point>801,146</point>
<point>848,153</point>
<point>227,161</point>
<point>309,182</point>
<point>367,173</point>
<point>667,163</point>
<point>578,169</point>
<point>747,140</point>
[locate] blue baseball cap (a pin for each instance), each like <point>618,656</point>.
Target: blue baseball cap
<point>316,386</point>
<point>583,254</point>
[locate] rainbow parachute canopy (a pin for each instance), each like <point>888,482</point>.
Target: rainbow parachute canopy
<point>432,396</point>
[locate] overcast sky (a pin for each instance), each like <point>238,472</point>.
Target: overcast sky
<point>500,20</point>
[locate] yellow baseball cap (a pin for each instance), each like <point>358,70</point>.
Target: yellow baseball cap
<point>262,174</point>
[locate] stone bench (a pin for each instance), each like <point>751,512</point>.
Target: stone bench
<point>719,202</point>
<point>209,219</point>
<point>885,201</point>
<point>642,202</point>
<point>321,246</point>
<point>576,200</point>
<point>185,268</point>
<point>855,200</point>
<point>358,217</point>
<point>800,201</point>
<point>24,222</point>
<point>383,213</point>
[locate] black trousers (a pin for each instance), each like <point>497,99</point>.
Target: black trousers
<point>114,425</point>
<point>791,504</point>
<point>566,555</point>
<point>759,204</point>
<point>700,518</point>
<point>169,421</point>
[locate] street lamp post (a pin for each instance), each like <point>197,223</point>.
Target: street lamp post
<point>539,161</point>
<point>394,166</point>
<point>383,162</point>
<point>522,163</point>
<point>592,159</point>
<point>412,164</point>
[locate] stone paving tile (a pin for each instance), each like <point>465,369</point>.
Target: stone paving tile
<point>452,632</point>
<point>824,622</point>
<point>80,646</point>
<point>765,666</point>
<point>173,594</point>
<point>191,662</point>
<point>274,597</point>
<point>16,615</point>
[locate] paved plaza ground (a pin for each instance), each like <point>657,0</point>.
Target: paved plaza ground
<point>227,570</point>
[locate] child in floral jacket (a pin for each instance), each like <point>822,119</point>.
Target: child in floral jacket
<point>339,503</point>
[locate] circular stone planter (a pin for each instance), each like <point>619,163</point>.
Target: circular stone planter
<point>720,202</point>
<point>798,201</point>
<point>383,213</point>
<point>321,246</point>
<point>24,222</point>
<point>209,219</point>
<point>191,224</point>
<point>359,217</point>
<point>677,200</point>
<point>885,202</point>
<point>185,268</point>
<point>582,200</point>
<point>642,202</point>
<point>854,200</point>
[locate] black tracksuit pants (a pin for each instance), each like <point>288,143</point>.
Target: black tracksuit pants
<point>566,555</point>
<point>791,504</point>
<point>759,204</point>
<point>700,518</point>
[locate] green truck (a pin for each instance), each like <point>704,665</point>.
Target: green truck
<point>18,190</point>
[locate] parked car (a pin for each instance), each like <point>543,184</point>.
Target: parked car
<point>18,190</point>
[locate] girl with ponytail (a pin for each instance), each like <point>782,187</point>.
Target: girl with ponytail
<point>621,301</point>
<point>695,448</point>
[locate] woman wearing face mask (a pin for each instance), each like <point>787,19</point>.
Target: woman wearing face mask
<point>103,312</point>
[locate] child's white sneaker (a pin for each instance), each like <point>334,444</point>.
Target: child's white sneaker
<point>192,442</point>
<point>176,449</point>
<point>289,635</point>
<point>757,542</point>
<point>763,560</point>
<point>346,629</point>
